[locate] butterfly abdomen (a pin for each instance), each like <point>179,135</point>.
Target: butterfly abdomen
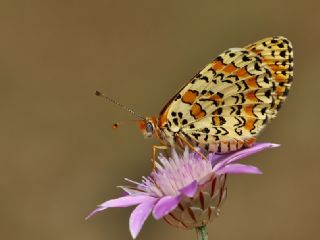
<point>221,147</point>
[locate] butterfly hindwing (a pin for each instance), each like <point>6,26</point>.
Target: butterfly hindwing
<point>234,96</point>
<point>277,53</point>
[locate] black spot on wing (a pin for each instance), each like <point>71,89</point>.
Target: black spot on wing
<point>268,93</point>
<point>227,81</point>
<point>206,130</point>
<point>222,120</point>
<point>263,110</point>
<point>206,147</point>
<point>206,79</point>
<point>279,106</point>
<point>178,97</point>
<point>218,111</point>
<point>283,54</point>
<point>175,121</point>
<point>220,94</point>
<point>257,66</point>
<point>225,131</point>
<point>285,41</point>
<point>238,131</point>
<point>196,135</point>
<point>220,59</point>
<point>236,98</point>
<point>220,76</point>
<point>290,68</point>
<point>245,58</point>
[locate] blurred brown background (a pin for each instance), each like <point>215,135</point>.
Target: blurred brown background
<point>59,155</point>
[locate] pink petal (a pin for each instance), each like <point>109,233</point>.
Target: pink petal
<point>238,155</point>
<point>165,206</point>
<point>238,169</point>
<point>258,147</point>
<point>139,216</point>
<point>125,201</point>
<point>131,191</point>
<point>190,190</point>
<point>215,158</point>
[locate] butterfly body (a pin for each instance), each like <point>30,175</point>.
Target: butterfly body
<point>224,107</point>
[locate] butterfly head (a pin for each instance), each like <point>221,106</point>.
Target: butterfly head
<point>148,127</point>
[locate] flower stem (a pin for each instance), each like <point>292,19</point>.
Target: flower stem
<point>202,233</point>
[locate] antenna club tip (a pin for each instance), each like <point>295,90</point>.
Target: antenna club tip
<point>115,126</point>
<point>98,93</point>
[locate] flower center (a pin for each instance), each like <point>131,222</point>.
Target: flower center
<point>174,173</point>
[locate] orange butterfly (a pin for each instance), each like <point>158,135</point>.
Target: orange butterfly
<point>224,106</point>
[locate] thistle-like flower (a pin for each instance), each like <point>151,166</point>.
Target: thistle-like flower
<point>185,190</point>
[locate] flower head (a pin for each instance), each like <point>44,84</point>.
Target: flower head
<point>185,190</point>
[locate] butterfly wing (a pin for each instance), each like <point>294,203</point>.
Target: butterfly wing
<point>232,99</point>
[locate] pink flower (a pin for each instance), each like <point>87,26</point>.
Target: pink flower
<point>186,191</point>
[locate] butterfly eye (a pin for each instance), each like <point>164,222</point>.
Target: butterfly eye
<point>149,127</point>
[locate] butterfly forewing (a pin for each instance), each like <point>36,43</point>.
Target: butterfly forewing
<point>228,103</point>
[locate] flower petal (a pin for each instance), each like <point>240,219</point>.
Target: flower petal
<point>125,201</point>
<point>216,158</point>
<point>258,147</point>
<point>139,216</point>
<point>238,155</point>
<point>190,190</point>
<point>238,168</point>
<point>131,191</point>
<point>165,206</point>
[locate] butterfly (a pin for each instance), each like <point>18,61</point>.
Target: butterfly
<point>226,104</point>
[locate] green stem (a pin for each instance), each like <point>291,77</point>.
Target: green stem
<point>202,233</point>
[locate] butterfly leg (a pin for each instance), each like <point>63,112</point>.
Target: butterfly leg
<point>183,140</point>
<point>154,152</point>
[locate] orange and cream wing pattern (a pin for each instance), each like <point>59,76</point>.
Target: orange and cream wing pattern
<point>230,101</point>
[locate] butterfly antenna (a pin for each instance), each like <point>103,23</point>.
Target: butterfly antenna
<point>108,99</point>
